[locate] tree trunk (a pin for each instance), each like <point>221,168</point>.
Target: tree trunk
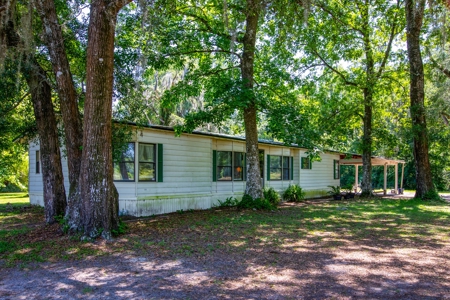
<point>253,184</point>
<point>52,176</point>
<point>366,184</point>
<point>414,17</point>
<point>99,196</point>
<point>68,100</point>
<point>41,97</point>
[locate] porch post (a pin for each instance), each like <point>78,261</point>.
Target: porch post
<point>396,178</point>
<point>403,171</point>
<point>385,179</point>
<point>356,179</point>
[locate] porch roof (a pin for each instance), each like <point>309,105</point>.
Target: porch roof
<point>376,161</point>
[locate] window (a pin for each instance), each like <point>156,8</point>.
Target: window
<point>336,169</point>
<point>306,163</point>
<point>224,165</point>
<point>124,168</point>
<point>228,165</point>
<point>238,163</point>
<point>147,162</point>
<point>38,162</point>
<point>275,167</point>
<point>280,167</point>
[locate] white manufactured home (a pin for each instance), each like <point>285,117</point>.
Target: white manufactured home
<point>161,173</point>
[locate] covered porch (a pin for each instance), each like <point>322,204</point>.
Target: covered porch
<point>356,160</point>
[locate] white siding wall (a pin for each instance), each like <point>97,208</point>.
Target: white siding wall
<point>34,180</point>
<point>187,174</point>
<point>320,176</point>
<point>35,187</point>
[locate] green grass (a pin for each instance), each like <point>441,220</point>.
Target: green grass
<point>14,198</point>
<point>328,225</point>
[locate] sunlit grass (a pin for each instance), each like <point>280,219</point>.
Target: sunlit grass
<point>327,225</point>
<point>14,198</point>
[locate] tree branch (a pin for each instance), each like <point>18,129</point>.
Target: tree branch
<point>119,4</point>
<point>203,51</point>
<point>337,18</point>
<point>437,65</point>
<point>346,81</point>
<point>209,28</point>
<point>219,71</point>
<point>15,104</point>
<point>389,47</point>
<point>445,117</point>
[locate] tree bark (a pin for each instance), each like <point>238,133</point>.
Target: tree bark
<point>68,100</point>
<point>99,196</point>
<point>414,18</point>
<point>253,184</point>
<point>366,186</point>
<point>52,176</point>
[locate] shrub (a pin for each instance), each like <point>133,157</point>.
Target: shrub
<point>334,190</point>
<point>229,202</point>
<point>121,229</point>
<point>258,203</point>
<point>272,195</point>
<point>293,193</point>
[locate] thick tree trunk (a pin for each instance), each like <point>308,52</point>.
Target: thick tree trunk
<point>414,17</point>
<point>68,100</point>
<point>99,196</point>
<point>366,184</point>
<point>253,185</point>
<point>52,176</point>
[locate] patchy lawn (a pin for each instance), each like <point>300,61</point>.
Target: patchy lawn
<point>378,248</point>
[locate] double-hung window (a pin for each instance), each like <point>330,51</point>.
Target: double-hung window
<point>306,163</point>
<point>224,165</point>
<point>147,162</point>
<point>228,166</point>
<point>238,166</point>
<point>275,167</point>
<point>124,167</point>
<point>280,167</point>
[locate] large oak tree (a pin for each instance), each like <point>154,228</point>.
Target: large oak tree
<point>414,15</point>
<point>93,200</point>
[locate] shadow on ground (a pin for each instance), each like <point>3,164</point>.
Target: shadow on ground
<point>314,250</point>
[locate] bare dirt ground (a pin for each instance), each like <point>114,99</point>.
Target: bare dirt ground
<point>332,265</point>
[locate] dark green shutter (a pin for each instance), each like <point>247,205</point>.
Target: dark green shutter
<point>292,168</point>
<point>268,167</point>
<point>310,163</point>
<point>214,170</point>
<point>160,163</point>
